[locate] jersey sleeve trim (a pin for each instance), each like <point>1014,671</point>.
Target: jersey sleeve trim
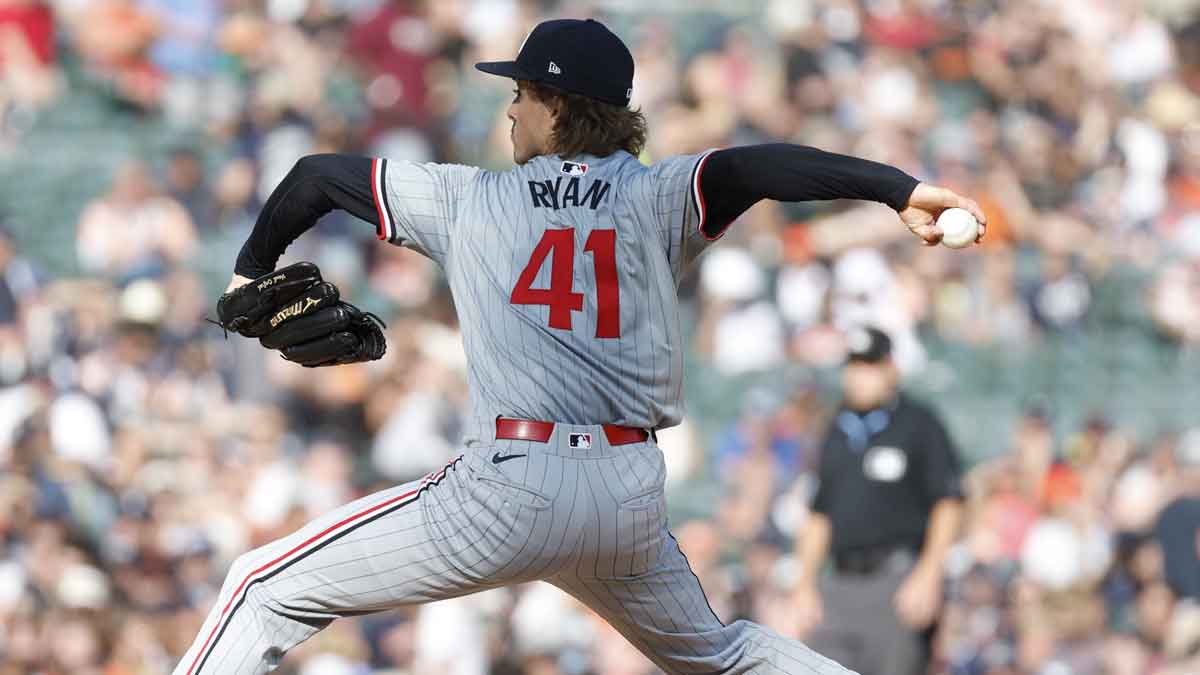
<point>698,199</point>
<point>387,227</point>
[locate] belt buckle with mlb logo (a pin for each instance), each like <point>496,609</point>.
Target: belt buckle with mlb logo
<point>581,441</point>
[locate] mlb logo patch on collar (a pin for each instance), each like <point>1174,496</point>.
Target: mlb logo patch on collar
<point>573,168</point>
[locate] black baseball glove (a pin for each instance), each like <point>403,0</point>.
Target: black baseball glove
<point>295,311</point>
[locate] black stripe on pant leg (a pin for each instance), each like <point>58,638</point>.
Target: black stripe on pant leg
<point>246,591</point>
<point>701,586</point>
<point>302,556</point>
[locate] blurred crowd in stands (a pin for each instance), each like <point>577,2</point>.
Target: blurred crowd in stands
<point>140,452</point>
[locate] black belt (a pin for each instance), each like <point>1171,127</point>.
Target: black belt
<point>864,561</point>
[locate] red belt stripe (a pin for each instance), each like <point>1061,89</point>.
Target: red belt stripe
<point>533,430</point>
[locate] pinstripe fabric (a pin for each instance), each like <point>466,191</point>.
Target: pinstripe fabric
<point>483,227</point>
<point>590,519</point>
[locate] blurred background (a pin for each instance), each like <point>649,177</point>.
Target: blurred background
<point>140,451</point>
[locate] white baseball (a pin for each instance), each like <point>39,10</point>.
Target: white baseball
<point>959,228</point>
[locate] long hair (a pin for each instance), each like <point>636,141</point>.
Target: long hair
<point>584,125</point>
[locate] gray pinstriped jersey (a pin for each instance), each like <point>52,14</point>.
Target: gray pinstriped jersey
<point>537,349</point>
<point>564,275</point>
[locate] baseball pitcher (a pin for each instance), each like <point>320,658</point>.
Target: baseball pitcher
<point>564,272</point>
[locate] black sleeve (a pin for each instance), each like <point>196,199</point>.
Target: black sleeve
<point>316,185</point>
<point>943,470</point>
<point>820,502</point>
<point>735,179</point>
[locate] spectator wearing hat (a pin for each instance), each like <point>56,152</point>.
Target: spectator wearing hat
<point>886,511</point>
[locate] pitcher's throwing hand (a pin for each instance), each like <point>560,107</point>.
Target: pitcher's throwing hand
<point>927,202</point>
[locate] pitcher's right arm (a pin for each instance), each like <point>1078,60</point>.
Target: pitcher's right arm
<point>712,189</point>
<point>732,180</point>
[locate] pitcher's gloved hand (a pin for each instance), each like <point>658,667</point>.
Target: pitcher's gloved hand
<point>295,311</point>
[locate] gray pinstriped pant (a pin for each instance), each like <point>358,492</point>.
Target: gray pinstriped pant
<point>591,521</point>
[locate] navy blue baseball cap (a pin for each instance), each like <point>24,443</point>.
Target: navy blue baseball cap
<point>582,57</point>
<point>868,344</point>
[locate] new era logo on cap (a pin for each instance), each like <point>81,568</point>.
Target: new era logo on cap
<point>582,57</point>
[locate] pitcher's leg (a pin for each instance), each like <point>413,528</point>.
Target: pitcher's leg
<point>664,613</point>
<point>378,552</point>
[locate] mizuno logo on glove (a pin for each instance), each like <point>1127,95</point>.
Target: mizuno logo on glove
<point>294,310</point>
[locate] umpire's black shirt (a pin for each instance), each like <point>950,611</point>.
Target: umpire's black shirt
<point>881,472</point>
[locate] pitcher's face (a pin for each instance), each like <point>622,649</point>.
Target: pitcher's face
<point>532,125</point>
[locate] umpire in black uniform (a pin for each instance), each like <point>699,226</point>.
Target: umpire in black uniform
<point>886,512</point>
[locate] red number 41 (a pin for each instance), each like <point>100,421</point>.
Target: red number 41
<point>561,300</point>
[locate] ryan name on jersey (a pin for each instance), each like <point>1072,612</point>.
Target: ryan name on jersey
<point>557,193</point>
